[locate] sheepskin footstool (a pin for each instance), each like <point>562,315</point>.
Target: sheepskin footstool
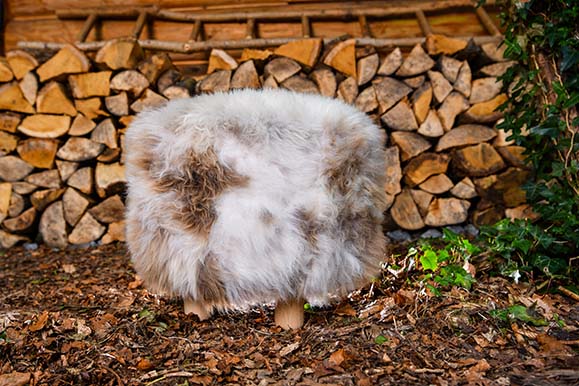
<point>255,196</point>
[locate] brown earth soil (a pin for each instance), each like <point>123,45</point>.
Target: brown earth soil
<point>81,316</point>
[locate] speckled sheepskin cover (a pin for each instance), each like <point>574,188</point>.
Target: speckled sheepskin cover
<point>255,196</point>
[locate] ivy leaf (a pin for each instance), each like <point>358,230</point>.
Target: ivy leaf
<point>429,261</point>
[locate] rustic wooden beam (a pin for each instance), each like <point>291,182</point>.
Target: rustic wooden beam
<point>196,32</point>
<point>487,22</point>
<point>423,23</point>
<point>87,27</point>
<point>191,47</point>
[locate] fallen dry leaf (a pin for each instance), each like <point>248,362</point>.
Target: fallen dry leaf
<point>14,379</point>
<point>68,268</point>
<point>40,322</point>
<point>144,364</point>
<point>345,310</point>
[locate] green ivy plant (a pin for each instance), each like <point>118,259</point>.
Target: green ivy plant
<point>541,113</point>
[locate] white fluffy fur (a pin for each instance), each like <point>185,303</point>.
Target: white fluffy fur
<point>283,143</point>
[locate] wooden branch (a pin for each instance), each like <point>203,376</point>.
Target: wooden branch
<point>250,29</point>
<point>143,16</point>
<point>306,27</point>
<point>196,32</point>
<point>87,27</point>
<point>487,22</point>
<point>423,23</point>
<point>364,26</point>
<point>190,47</point>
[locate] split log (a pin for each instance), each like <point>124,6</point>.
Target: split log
<point>417,62</point>
<point>22,187</point>
<point>8,143</point>
<point>367,68</point>
<point>504,188</point>
<point>86,230</point>
<point>410,144</point>
<point>391,63</point>
<point>21,62</point>
<point>257,55</point>
<point>522,212</point>
<point>281,69</point>
<point>453,105</point>
<point>342,57</point>
<point>29,87</point>
<point>400,117</point>
<point>176,92</point>
<point>126,120</point>
<point>220,60</point>
<point>8,240</point>
<point>246,76</point>
<point>301,84</point>
<point>17,204</point>
<point>11,98</point>
<point>421,99</point>
<point>497,69</point>
<point>431,127</point>
<point>6,74</point>
<point>514,156</point>
<point>440,86</point>
<point>118,104</point>
<point>81,126</point>
<point>120,54</point>
<point>450,68</point>
<point>42,198</point>
<point>13,168</point>
<point>464,189</point>
<point>405,212</point>
<point>415,81</point>
<point>110,210</point>
<point>465,135</point>
<point>155,65</point>
<point>168,79</point>
<point>366,101</point>
<point>9,122</point>
<point>90,84</point>
<point>486,112</point>
<point>487,216</point>
<point>45,126</point>
<point>91,107</point>
<point>147,100</point>
<point>437,184</point>
<point>422,200</point>
<point>39,153</point>
<point>66,169</point>
<point>484,89</point>
<point>52,99</point>
<point>478,160</point>
<point>110,179</point>
<point>424,166</point>
<point>390,91</point>
<point>46,179</point>
<point>5,196</point>
<point>105,133</point>
<point>440,44</point>
<point>463,80</point>
<point>69,60</point>
<point>326,82</point>
<point>115,232</point>
<point>130,81</point>
<point>348,90</point>
<point>109,155</point>
<point>80,149</point>
<point>494,51</point>
<point>82,180</point>
<point>218,81</point>
<point>21,223</point>
<point>52,226</point>
<point>74,206</point>
<point>270,82</point>
<point>393,171</point>
<point>447,211</point>
<point>305,51</point>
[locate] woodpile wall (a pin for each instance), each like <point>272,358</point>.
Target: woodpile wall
<point>62,124</point>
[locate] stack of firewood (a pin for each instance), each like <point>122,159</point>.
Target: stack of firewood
<point>63,120</point>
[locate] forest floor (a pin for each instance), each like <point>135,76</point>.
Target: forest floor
<point>81,316</point>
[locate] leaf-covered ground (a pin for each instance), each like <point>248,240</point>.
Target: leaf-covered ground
<point>82,317</point>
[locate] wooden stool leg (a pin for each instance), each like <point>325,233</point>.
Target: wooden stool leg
<point>289,314</point>
<point>202,310</point>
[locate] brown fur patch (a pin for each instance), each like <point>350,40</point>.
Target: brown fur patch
<point>309,226</point>
<point>210,287</point>
<point>266,217</point>
<point>197,184</point>
<point>342,171</point>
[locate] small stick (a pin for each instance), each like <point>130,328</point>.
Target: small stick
<point>569,293</point>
